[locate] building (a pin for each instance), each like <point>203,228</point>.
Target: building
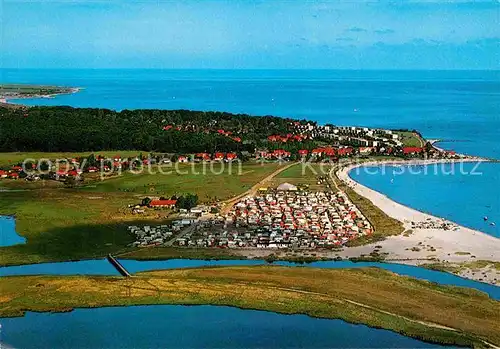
<point>162,203</point>
<point>287,187</point>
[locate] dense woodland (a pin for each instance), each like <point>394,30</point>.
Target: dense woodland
<point>55,129</point>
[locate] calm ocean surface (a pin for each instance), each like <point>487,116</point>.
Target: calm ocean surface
<point>462,108</point>
<point>192,327</point>
<point>464,193</point>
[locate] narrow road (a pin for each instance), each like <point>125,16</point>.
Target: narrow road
<point>182,233</point>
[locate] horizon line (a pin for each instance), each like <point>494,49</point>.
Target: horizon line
<point>254,69</point>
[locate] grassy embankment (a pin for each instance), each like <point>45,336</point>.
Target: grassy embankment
<point>378,298</point>
<point>456,268</point>
<point>410,139</point>
<point>383,224</point>
<point>69,224</point>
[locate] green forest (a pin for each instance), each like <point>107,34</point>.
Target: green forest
<point>53,129</point>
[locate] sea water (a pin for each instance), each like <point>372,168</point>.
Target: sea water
<point>462,108</point>
<point>8,235</point>
<point>192,327</point>
<point>466,193</point>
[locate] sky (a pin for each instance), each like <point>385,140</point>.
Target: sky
<point>244,34</point>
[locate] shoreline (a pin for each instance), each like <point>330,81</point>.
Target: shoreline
<point>426,245</point>
<point>8,100</point>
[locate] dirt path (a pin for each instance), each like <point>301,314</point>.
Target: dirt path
<point>425,323</point>
<point>254,189</point>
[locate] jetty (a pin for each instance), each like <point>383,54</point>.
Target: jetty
<point>118,266</point>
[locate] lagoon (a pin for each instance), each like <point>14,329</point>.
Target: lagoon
<point>191,327</point>
<point>8,235</point>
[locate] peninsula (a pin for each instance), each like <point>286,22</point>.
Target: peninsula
<point>21,91</point>
<point>211,185</point>
<point>191,184</point>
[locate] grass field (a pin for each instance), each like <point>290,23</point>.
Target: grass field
<point>18,157</point>
<point>211,182</point>
<point>66,224</point>
<point>410,139</point>
<point>303,174</point>
<point>416,308</point>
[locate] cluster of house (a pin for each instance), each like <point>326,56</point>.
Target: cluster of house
<point>337,152</point>
<point>13,173</point>
<point>192,128</point>
<point>360,136</point>
<point>157,235</point>
<point>284,218</point>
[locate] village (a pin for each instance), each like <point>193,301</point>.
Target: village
<point>281,217</point>
<point>363,142</point>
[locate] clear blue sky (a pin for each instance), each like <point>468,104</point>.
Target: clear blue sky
<point>355,34</point>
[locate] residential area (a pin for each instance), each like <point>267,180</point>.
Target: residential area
<point>281,217</point>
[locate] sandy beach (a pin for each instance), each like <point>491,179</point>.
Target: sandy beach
<point>431,237</point>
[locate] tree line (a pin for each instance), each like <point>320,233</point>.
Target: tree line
<point>55,129</point>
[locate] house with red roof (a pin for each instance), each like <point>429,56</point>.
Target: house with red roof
<point>231,156</point>
<point>74,173</point>
<point>329,151</point>
<point>14,175</point>
<point>162,203</point>
<point>303,152</point>
<point>412,150</point>
<point>219,156</point>
<point>280,154</point>
<point>182,159</point>
<point>17,168</point>
<point>202,156</point>
<point>345,151</point>
<point>366,150</point>
<point>3,174</point>
<point>317,152</point>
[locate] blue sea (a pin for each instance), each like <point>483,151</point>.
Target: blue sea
<point>192,327</point>
<point>461,108</point>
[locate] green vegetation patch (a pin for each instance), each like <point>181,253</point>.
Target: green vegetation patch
<point>410,139</point>
<point>211,182</point>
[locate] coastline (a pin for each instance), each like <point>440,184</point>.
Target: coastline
<point>426,245</point>
<point>8,100</point>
